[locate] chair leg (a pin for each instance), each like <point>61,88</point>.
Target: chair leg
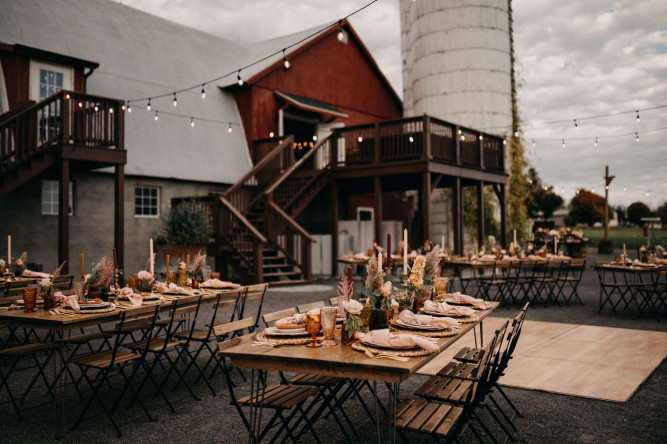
<point>3,382</point>
<point>500,423</point>
<point>509,401</point>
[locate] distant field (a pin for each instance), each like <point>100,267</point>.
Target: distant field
<point>633,237</point>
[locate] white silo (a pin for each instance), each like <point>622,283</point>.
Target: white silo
<point>456,61</point>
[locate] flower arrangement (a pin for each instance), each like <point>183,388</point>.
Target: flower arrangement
<point>377,287</point>
<point>353,323</point>
<point>19,263</point>
<point>198,262</point>
<point>146,280</point>
<point>102,273</point>
<point>47,283</point>
<point>416,279</point>
<point>432,264</point>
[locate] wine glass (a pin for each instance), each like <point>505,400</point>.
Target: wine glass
<point>328,315</point>
<point>313,327</point>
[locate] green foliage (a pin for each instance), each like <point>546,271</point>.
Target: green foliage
<point>491,225</point>
<point>662,213</point>
<point>632,237</point>
<point>517,192</point>
<point>541,197</point>
<point>636,211</point>
<point>184,225</point>
<point>352,324</point>
<point>587,208</point>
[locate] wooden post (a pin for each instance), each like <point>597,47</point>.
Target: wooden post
<point>457,144</point>
<point>480,212</point>
<point>427,154</point>
<point>378,210</point>
<point>607,181</point>
<point>503,216</point>
<point>259,260</point>
<point>377,146</point>
<point>425,199</point>
<point>63,216</point>
<point>458,216</point>
<point>119,214</point>
<point>334,228</point>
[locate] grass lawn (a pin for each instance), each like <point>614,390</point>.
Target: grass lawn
<point>633,237</point>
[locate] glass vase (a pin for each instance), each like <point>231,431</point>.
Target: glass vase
<point>344,338</point>
<point>378,319</point>
<point>49,297</point>
<point>365,315</point>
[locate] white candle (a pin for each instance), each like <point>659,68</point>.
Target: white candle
<point>380,261</point>
<point>9,251</point>
<point>405,251</point>
<point>514,237</point>
<point>555,245</point>
<point>442,242</point>
<point>151,258</point>
<point>624,253</point>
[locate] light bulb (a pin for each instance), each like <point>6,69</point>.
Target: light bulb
<point>96,108</point>
<point>504,142</point>
<point>625,188</point>
<point>516,134</point>
<point>156,116</point>
<point>229,130</point>
<point>148,107</point>
<point>481,137</point>
<point>463,137</point>
<point>636,137</point>
<point>239,79</point>
<point>286,62</point>
<point>576,126</point>
<point>123,107</point>
<point>637,116</point>
<point>596,142</point>
<point>563,142</point>
<point>129,107</point>
<point>360,139</point>
<point>533,142</point>
<point>411,139</point>
<point>271,134</point>
<point>341,34</point>
<point>203,93</point>
<point>192,121</point>
<point>315,138</point>
<point>111,110</point>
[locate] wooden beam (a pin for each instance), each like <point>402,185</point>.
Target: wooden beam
<point>334,223</point>
<point>426,205</point>
<point>435,181</point>
<point>378,210</point>
<point>119,214</point>
<point>480,212</point>
<point>458,217</point>
<point>63,215</point>
<point>503,216</point>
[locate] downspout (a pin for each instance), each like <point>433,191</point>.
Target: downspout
<point>85,78</point>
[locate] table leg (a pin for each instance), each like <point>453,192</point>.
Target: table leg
<point>393,399</point>
<point>60,357</point>
<point>377,411</point>
<point>256,404</point>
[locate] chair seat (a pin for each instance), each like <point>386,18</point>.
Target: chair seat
<point>426,417</point>
<point>156,344</point>
<point>85,337</point>
<point>445,388</point>
<point>197,335</point>
<point>103,359</point>
<point>25,350</point>
<point>279,396</point>
<point>468,354</point>
<point>314,380</point>
<point>493,281</point>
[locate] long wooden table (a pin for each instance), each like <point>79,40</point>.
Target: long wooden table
<point>339,361</point>
<point>625,283</point>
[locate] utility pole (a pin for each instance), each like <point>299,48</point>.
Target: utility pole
<point>607,181</point>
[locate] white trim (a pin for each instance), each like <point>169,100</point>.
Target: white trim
<point>4,104</point>
<point>134,197</point>
<point>36,65</point>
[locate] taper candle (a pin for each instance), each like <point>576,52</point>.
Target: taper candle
<point>349,274</point>
<point>187,261</point>
<point>9,251</point>
<point>151,257</point>
<point>167,265</point>
<point>115,260</point>
<point>388,250</point>
<point>380,261</point>
<point>515,237</point>
<point>405,251</point>
<point>83,269</point>
<point>442,242</point>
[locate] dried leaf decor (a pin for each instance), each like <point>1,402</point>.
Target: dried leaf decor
<point>432,263</point>
<point>375,277</point>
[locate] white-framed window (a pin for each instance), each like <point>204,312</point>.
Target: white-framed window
<point>47,79</point>
<point>146,201</point>
<point>50,201</point>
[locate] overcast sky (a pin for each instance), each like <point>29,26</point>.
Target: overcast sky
<point>575,59</point>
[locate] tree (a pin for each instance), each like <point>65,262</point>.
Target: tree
<point>620,214</point>
<point>587,208</point>
<point>491,226</point>
<point>541,197</point>
<point>636,211</point>
<point>662,213</point>
<point>517,192</point>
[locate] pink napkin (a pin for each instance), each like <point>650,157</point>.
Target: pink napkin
<point>440,307</point>
<point>461,311</point>
<point>70,301</point>
<point>409,317</point>
<point>458,298</point>
<point>389,339</point>
<point>296,319</point>
<point>161,286</point>
<point>134,298</point>
<point>39,274</point>
<point>173,288</point>
<point>217,283</point>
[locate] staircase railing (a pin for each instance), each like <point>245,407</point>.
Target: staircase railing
<point>296,181</point>
<point>64,118</point>
<point>250,188</point>
<point>290,238</point>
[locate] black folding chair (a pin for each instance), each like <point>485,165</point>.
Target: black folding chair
<point>117,360</point>
<point>279,398</point>
<point>571,281</point>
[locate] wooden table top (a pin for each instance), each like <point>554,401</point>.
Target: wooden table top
<point>45,320</point>
<point>630,268</point>
<point>339,360</point>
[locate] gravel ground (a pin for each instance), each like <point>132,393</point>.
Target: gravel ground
<point>549,418</point>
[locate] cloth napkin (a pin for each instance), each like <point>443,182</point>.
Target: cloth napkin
<point>161,286</point>
<point>134,298</point>
<point>70,301</point>
<point>440,307</point>
<point>296,319</point>
<point>173,288</point>
<point>217,283</point>
<point>458,298</point>
<point>386,338</point>
<point>39,274</point>
<point>409,317</point>
<point>461,311</point>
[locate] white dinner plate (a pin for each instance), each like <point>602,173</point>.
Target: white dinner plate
<point>451,314</point>
<point>391,347</point>
<point>420,327</point>
<point>38,302</point>
<point>286,332</point>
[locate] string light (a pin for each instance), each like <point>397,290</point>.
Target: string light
<point>504,142</point>
<point>315,138</point>
<point>360,139</point>
<point>411,139</point>
<point>576,125</point>
<point>271,134</point>
<point>96,108</point>
<point>637,115</point>
<point>286,62</point>
<point>123,107</point>
<point>636,137</point>
<point>148,107</point>
<point>110,110</point>
<point>192,122</point>
<point>229,130</point>
<point>203,92</point>
<point>156,116</point>
<point>625,188</point>
<point>534,142</point>
<point>481,137</point>
<point>596,143</point>
<point>516,134</point>
<point>129,107</point>
<point>463,137</point>
<point>341,34</point>
<point>239,79</point>
<point>175,101</point>
<point>563,140</point>
<point>606,187</point>
<point>648,193</point>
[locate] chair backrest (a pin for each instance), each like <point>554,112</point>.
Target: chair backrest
<point>481,373</point>
<point>333,301</point>
<point>228,330</point>
<point>305,307</point>
<point>187,306</point>
<point>63,282</point>
<point>513,336</point>
<point>273,317</point>
<point>142,318</point>
<point>255,292</point>
<point>233,327</point>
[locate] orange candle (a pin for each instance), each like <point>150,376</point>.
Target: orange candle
<point>83,269</point>
<point>187,262</point>
<point>167,265</point>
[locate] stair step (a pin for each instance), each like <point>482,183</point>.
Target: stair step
<point>282,273</point>
<point>289,282</point>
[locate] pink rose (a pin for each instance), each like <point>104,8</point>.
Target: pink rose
<point>386,289</point>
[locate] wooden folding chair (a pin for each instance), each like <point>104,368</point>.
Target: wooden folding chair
<point>304,308</point>
<point>254,293</point>
<point>117,360</point>
<point>63,282</point>
<point>572,279</point>
<point>497,280</point>
<point>279,398</point>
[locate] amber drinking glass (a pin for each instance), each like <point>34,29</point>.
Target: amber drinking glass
<point>313,326</point>
<point>29,299</point>
<point>329,315</point>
